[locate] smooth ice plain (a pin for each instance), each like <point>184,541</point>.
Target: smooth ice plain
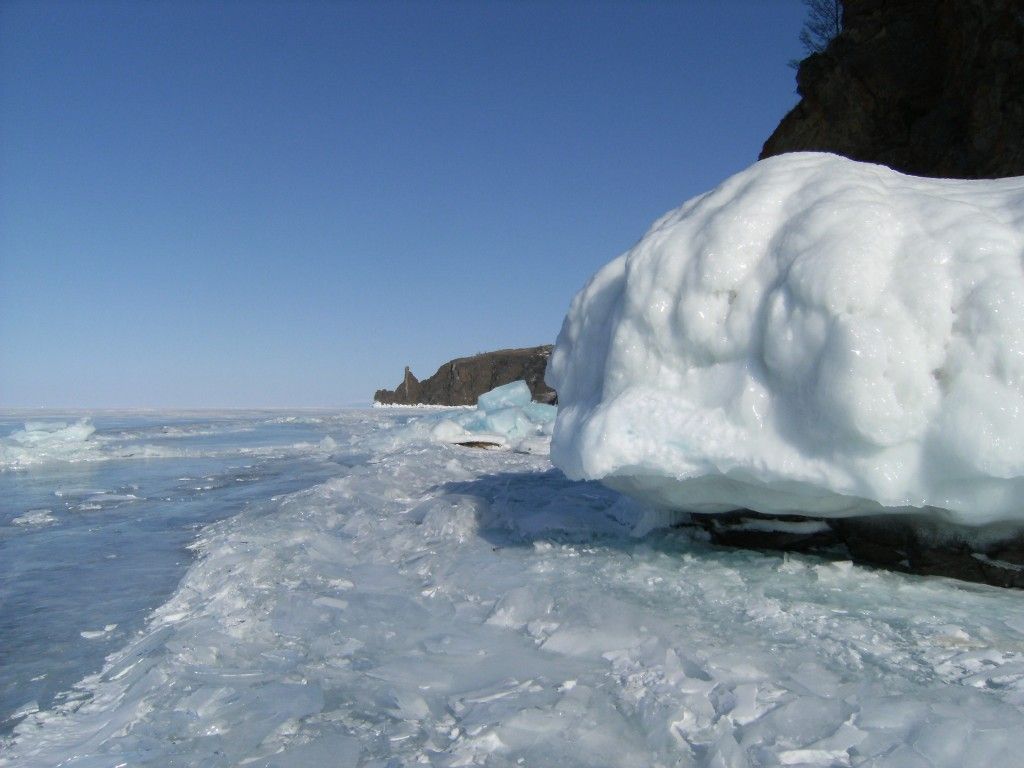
<point>429,604</point>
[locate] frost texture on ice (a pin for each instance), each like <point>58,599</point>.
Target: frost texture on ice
<point>814,335</point>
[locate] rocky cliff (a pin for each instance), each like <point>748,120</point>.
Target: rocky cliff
<point>927,87</point>
<point>463,380</point>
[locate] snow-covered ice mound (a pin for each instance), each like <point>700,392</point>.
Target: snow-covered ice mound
<point>816,336</point>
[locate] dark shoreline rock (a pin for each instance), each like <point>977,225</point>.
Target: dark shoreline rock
<point>463,380</point>
<point>926,87</point>
<point>904,543</point>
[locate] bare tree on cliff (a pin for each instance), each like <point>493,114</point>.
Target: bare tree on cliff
<point>824,22</point>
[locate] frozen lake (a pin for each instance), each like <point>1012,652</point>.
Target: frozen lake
<point>276,589</point>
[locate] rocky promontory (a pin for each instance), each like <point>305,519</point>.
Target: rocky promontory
<point>926,87</point>
<point>463,380</point>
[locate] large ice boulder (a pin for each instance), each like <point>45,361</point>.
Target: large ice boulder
<point>814,336</point>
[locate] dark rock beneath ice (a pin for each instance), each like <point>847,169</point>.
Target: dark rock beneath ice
<point>749,530</point>
<point>906,543</point>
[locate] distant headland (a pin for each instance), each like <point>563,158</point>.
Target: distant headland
<point>462,380</point>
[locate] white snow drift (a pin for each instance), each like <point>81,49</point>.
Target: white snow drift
<point>816,336</point>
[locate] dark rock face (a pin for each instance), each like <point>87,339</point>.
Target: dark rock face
<point>917,546</point>
<point>927,87</point>
<point>895,542</point>
<point>750,530</point>
<point>462,381</point>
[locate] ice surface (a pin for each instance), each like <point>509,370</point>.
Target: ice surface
<point>433,605</point>
<point>515,394</point>
<point>815,335</point>
<point>209,435</point>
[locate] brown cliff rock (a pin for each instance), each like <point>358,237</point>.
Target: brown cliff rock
<point>463,380</point>
<point>927,87</point>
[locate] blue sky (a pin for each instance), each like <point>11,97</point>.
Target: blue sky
<point>283,204</point>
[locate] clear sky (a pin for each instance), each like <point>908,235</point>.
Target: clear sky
<point>283,204</point>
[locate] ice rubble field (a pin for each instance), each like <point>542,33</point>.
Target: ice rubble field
<point>814,335</point>
<point>92,525</point>
<point>75,440</point>
<point>439,605</point>
<point>505,417</point>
